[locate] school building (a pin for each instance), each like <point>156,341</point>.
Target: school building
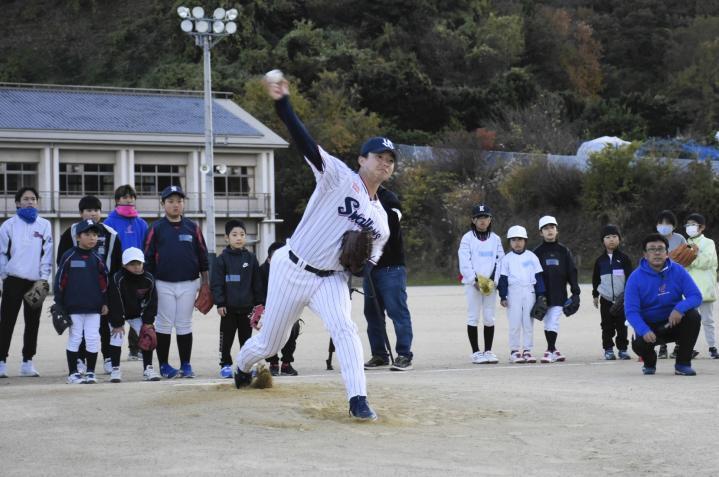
<point>70,141</point>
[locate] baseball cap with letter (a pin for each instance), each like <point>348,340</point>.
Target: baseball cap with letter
<point>87,225</point>
<point>547,220</point>
<point>480,210</point>
<point>378,145</point>
<point>132,254</point>
<point>173,189</point>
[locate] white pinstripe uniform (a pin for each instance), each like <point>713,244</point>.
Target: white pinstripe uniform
<point>340,202</point>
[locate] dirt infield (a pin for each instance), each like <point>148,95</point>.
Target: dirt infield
<point>447,417</point>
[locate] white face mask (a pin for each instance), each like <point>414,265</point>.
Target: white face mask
<point>665,229</point>
<point>692,230</point>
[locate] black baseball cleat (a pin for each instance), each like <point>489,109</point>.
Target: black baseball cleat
<point>360,410</point>
<point>288,370</point>
<point>242,379</point>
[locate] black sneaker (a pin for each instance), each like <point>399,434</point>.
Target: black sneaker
<point>713,354</point>
<point>275,369</point>
<point>288,370</point>
<point>662,352</point>
<point>695,353</point>
<point>360,410</point>
<point>376,362</point>
<point>242,379</point>
<point>402,363</point>
<point>674,353</point>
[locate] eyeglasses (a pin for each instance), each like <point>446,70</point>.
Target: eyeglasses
<point>656,250</point>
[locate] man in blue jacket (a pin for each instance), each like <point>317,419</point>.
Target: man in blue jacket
<point>660,302</point>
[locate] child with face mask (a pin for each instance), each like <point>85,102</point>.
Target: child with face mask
<point>704,272</point>
<point>666,224</point>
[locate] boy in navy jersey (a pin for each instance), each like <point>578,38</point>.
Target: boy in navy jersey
<point>176,255</point>
<point>81,291</point>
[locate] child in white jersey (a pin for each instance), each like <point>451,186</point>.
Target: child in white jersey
<point>479,254</point>
<point>520,283</point>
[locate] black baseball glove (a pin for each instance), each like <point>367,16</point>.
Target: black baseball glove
<point>356,249</point>
<point>540,308</point>
<point>571,306</point>
<point>60,318</point>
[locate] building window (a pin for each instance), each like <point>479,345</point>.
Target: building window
<point>16,175</point>
<point>150,179</point>
<point>87,179</point>
<point>239,181</point>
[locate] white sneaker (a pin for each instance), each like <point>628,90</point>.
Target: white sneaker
<point>548,357</point>
<point>81,366</point>
<point>75,378</point>
<point>3,369</point>
<point>528,357</point>
<point>558,356</point>
<point>27,370</point>
<point>490,357</point>
<point>517,358</point>
<point>90,378</point>
<point>116,375</point>
<point>478,358</point>
<point>149,374</point>
<point>107,365</point>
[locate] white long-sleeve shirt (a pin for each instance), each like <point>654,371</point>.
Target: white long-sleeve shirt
<point>479,256</point>
<point>26,250</point>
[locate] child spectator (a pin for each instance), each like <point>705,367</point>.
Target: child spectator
<point>237,286</point>
<point>704,272</point>
<point>81,292</point>
<point>176,255</point>
<point>611,270</point>
<point>480,251</point>
<point>559,271</point>
<point>520,284</point>
<point>133,300</point>
<point>109,249</point>
<point>132,230</point>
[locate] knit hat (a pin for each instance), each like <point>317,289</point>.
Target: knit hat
<point>90,202</point>
<point>610,229</point>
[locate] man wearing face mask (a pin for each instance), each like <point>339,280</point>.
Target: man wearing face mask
<point>704,272</point>
<point>25,257</point>
<point>666,223</point>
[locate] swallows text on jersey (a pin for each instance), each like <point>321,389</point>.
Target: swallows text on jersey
<point>349,210</point>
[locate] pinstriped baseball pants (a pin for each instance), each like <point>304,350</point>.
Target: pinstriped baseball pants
<point>291,288</point>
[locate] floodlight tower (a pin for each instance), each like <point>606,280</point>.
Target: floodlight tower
<point>207,31</point>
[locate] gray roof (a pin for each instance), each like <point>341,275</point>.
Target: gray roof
<point>119,111</point>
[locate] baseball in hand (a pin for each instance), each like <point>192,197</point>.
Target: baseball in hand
<point>274,76</point>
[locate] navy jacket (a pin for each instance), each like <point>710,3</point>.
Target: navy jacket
<point>175,251</point>
<point>559,270</point>
<point>236,280</point>
<point>132,296</point>
<point>81,282</point>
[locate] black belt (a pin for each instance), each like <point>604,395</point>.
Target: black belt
<point>310,268</point>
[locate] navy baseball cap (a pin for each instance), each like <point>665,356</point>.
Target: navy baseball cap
<point>378,145</point>
<point>86,225</point>
<point>481,209</point>
<point>173,189</point>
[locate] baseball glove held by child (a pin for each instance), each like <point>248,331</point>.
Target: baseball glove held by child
<point>684,255</point>
<point>147,339</point>
<point>37,293</point>
<point>484,285</point>
<point>204,301</point>
<point>356,249</point>
<point>539,309</point>
<point>60,319</point>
